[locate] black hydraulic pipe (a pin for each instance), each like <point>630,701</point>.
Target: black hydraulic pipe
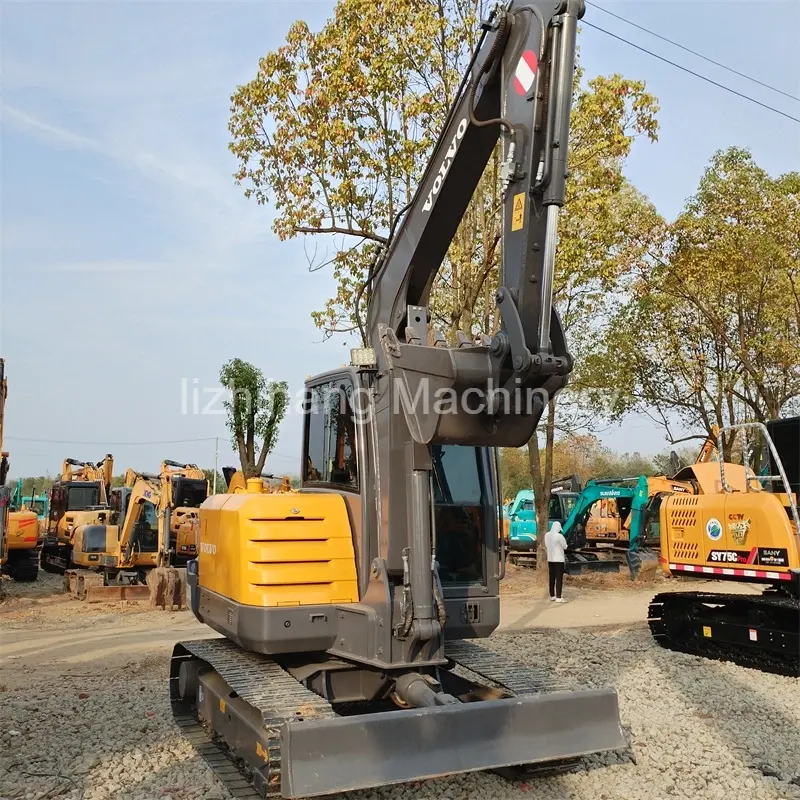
<point>564,64</point>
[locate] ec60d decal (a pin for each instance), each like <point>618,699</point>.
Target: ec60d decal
<point>448,160</point>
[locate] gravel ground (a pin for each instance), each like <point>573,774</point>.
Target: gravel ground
<point>96,724</point>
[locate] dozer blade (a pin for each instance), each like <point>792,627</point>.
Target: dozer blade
<point>349,753</point>
<point>115,593</point>
<point>89,587</point>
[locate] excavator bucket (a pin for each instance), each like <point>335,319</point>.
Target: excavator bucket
<point>643,564</point>
<point>167,588</point>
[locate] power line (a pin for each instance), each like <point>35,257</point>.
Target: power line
<point>134,444</point>
<point>693,52</point>
<point>109,444</point>
<point>691,72</point>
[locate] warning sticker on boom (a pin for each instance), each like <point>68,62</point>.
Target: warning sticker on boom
<point>518,213</point>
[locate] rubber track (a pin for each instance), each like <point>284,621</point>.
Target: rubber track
<point>264,685</point>
<point>511,675</point>
<point>745,657</point>
<point>24,570</point>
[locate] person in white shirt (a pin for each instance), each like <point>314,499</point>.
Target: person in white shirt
<point>556,544</point>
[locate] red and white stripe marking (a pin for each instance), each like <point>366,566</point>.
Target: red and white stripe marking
<point>731,571</point>
<point>525,74</point>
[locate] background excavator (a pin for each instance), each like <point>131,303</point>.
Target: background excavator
<point>154,515</point>
<point>186,487</point>
<point>738,525</point>
<point>19,527</point>
<point>79,497</point>
<point>346,609</point>
<point>24,538</point>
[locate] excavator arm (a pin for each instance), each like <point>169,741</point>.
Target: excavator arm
<point>184,470</point>
<point>102,471</point>
<point>414,392</point>
<point>519,90</point>
<point>144,488</point>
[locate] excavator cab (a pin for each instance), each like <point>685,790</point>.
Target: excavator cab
<point>464,505</point>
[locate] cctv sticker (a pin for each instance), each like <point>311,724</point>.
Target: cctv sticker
<point>714,529</point>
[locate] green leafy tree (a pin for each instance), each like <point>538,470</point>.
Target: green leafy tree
<point>209,473</point>
<point>254,412</point>
<point>35,485</point>
<point>515,472</point>
<point>710,332</point>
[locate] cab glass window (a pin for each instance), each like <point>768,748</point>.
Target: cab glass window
<point>458,495</point>
<point>331,435</point>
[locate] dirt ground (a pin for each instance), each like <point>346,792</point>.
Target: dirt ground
<point>592,599</point>
<point>85,715</point>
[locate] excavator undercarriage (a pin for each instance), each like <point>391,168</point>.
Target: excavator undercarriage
<point>276,732</point>
<point>757,631</point>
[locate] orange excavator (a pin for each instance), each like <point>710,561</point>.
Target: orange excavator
<point>19,526</point>
<point>5,492</point>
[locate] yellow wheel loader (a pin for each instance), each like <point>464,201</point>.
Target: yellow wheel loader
<point>79,497</point>
<point>737,527</point>
<point>348,611</point>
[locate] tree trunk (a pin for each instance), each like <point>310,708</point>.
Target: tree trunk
<point>541,478</point>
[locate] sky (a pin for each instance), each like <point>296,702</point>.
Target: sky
<point>132,266</point>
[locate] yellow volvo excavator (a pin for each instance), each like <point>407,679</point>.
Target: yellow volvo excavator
<point>79,497</point>
<point>347,610</point>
